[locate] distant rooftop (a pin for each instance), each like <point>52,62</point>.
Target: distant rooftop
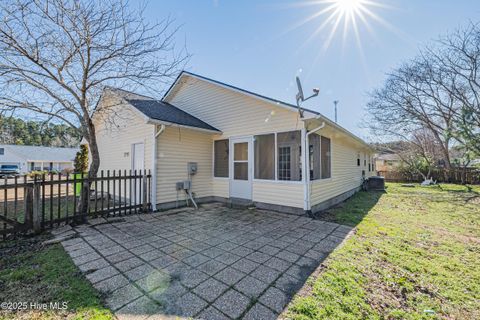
<point>389,157</point>
<point>39,153</point>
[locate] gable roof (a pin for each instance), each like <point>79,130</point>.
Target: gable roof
<point>231,87</point>
<point>39,153</point>
<point>313,114</point>
<point>162,111</point>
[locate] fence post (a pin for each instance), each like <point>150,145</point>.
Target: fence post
<point>36,208</point>
<point>145,193</point>
<point>83,202</point>
<point>28,207</point>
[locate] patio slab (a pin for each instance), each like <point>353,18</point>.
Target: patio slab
<point>211,263</point>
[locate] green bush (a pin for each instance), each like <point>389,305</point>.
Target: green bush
<point>81,159</point>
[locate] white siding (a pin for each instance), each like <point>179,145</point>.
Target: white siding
<point>175,148</point>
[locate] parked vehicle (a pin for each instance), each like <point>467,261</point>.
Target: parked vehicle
<point>9,170</point>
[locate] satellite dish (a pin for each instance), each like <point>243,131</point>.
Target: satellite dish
<point>300,96</point>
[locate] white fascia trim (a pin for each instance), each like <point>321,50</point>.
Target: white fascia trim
<point>154,121</point>
<point>336,126</point>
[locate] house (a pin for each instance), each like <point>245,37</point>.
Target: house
<point>30,158</point>
<point>247,148</point>
<point>387,162</point>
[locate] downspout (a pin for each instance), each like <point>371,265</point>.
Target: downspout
<point>155,159</point>
<point>306,189</point>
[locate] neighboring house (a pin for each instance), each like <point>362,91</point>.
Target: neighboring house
<point>387,162</point>
<point>30,158</point>
<point>247,147</point>
<point>475,163</point>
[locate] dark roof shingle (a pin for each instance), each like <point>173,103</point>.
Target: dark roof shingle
<point>163,111</point>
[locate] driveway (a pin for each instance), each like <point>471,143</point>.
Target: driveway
<point>211,263</point>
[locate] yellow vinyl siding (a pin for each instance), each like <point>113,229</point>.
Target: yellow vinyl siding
<point>237,115</point>
<point>234,113</point>
<point>116,136</point>
<point>175,148</point>
<point>279,193</point>
<point>346,175</point>
<point>221,187</point>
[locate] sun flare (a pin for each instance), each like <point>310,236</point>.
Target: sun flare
<point>346,16</point>
<point>349,6</point>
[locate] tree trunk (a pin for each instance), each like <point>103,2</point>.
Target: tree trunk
<point>92,141</point>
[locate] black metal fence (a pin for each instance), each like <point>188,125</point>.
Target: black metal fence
<point>33,204</point>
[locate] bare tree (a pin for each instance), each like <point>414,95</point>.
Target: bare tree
<point>439,91</point>
<point>409,103</point>
<point>458,57</point>
<point>419,155</point>
<point>56,56</point>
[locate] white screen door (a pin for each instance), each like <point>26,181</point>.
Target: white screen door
<point>240,167</point>
<point>138,163</point>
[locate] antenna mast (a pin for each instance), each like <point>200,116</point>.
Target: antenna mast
<point>335,102</point>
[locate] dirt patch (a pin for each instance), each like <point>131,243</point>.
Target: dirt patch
<point>23,245</point>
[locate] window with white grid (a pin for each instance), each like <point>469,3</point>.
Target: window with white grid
<point>284,163</point>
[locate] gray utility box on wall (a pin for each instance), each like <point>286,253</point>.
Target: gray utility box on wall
<point>183,185</point>
<point>192,168</point>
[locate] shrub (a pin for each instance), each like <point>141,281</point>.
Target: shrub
<point>81,159</point>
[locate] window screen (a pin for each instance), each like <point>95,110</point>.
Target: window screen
<point>221,158</point>
<point>2,151</point>
<point>326,158</point>
<point>314,156</point>
<point>289,156</point>
<point>265,156</point>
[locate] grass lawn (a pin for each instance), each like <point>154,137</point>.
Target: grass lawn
<point>30,272</point>
<point>415,255</point>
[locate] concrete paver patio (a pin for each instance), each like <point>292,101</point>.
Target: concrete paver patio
<point>211,263</point>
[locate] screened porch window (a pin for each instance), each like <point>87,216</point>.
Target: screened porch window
<point>220,158</point>
<point>326,158</point>
<point>289,156</point>
<point>314,156</point>
<point>264,156</point>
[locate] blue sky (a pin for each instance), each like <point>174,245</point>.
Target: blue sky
<point>253,45</point>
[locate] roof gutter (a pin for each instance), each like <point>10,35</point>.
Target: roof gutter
<point>156,134</point>
<point>335,125</point>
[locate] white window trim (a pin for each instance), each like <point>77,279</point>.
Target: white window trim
<point>276,181</point>
<point>331,160</point>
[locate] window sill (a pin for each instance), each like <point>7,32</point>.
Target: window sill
<point>278,181</point>
<point>321,180</point>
